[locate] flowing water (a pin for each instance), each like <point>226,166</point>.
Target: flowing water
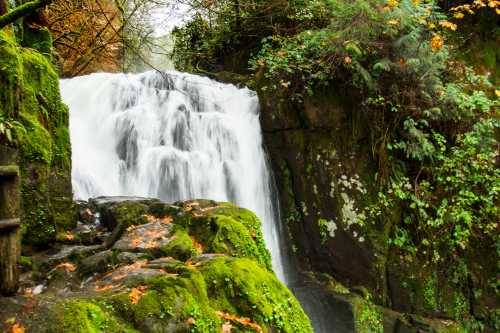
<point>171,136</point>
<point>176,136</point>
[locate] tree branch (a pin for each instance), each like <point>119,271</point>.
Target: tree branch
<point>22,11</point>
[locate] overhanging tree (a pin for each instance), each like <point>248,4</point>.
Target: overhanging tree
<point>27,8</point>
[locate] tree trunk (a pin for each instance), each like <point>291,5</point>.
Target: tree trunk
<point>21,11</point>
<point>3,7</point>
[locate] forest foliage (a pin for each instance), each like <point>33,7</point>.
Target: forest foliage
<point>434,120</point>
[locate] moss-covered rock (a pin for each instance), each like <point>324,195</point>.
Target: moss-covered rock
<point>195,266</point>
<point>30,100</point>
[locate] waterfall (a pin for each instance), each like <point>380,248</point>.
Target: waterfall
<point>172,136</point>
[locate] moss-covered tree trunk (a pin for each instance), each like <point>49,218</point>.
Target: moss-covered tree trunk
<point>19,12</point>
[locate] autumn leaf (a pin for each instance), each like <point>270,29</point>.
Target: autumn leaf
<point>227,327</point>
<point>437,43</point>
<point>198,246</point>
<point>17,328</point>
<point>247,322</point>
<point>164,219</point>
<point>104,288</point>
<point>69,236</point>
<point>136,294</point>
<point>67,266</point>
<point>190,321</point>
<point>448,25</point>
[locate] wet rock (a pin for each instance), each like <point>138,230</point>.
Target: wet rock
<point>130,275</point>
<point>67,253</point>
<point>84,212</point>
<point>129,257</point>
<point>167,264</point>
<point>148,238</point>
<point>85,233</point>
<point>206,257</point>
<point>97,263</point>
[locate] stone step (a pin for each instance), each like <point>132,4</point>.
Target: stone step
<point>9,171</point>
<point>10,224</point>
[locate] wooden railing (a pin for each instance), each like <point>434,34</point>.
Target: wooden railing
<point>10,232</point>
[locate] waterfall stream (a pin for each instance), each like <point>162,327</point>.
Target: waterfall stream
<point>176,136</point>
<point>171,136</point>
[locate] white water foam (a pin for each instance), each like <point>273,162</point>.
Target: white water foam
<point>172,136</point>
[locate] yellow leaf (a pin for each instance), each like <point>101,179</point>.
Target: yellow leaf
<point>17,328</point>
<point>67,266</point>
<point>393,22</point>
<point>459,15</point>
<point>347,60</point>
<point>136,294</point>
<point>437,43</point>
<point>392,3</point>
<point>448,25</point>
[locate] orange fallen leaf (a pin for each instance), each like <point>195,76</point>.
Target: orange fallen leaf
<point>190,321</point>
<point>69,236</point>
<point>136,293</point>
<point>165,219</point>
<point>17,328</point>
<point>189,263</point>
<point>104,288</point>
<point>227,327</point>
<point>241,320</point>
<point>67,266</point>
<point>135,242</point>
<point>119,277</point>
<point>198,246</point>
<point>151,245</point>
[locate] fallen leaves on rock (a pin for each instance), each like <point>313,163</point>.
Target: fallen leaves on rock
<point>247,322</point>
<point>67,266</point>
<point>164,219</point>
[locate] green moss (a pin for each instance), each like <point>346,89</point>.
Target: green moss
<point>181,247</point>
<point>236,233</point>
<point>430,293</point>
<point>368,318</point>
<point>38,38</point>
<point>241,287</point>
<point>80,316</point>
<point>30,98</point>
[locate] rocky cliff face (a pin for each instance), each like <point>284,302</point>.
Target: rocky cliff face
<point>31,105</point>
<point>321,152</point>
<point>140,265</point>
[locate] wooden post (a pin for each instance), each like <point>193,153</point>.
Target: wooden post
<point>10,233</point>
<point>10,250</point>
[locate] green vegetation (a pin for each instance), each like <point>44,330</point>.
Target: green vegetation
<point>432,120</point>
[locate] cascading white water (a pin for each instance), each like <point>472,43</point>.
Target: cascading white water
<point>172,136</point>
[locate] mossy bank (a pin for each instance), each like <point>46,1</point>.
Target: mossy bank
<point>31,107</point>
